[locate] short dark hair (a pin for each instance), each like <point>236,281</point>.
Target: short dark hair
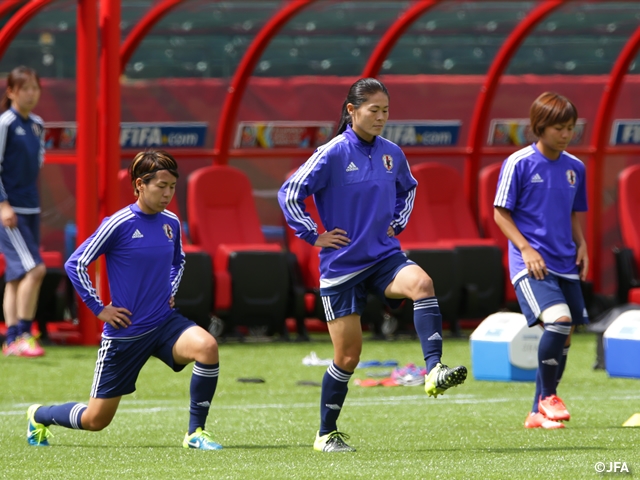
<point>146,164</point>
<point>358,94</point>
<point>551,108</point>
<point>15,80</point>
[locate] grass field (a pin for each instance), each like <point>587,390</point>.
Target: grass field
<point>474,431</point>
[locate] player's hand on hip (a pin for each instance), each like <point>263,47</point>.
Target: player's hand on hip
<point>534,263</point>
<point>390,232</point>
<point>115,316</point>
<point>9,217</point>
<point>336,238</point>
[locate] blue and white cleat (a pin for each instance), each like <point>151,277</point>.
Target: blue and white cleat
<point>200,440</point>
<point>37,433</point>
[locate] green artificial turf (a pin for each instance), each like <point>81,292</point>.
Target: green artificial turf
<point>267,429</point>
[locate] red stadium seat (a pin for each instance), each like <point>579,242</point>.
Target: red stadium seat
<point>252,279</point>
<point>442,215</point>
<point>195,295</point>
<point>628,258</point>
<point>488,182</point>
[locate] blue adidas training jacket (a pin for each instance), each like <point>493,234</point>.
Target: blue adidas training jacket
<point>359,187</point>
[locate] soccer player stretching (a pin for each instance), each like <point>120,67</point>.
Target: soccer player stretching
<point>21,157</point>
<point>143,248</point>
<point>364,191</point>
<point>541,188</point>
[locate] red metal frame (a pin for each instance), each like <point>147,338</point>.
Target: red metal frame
<point>488,91</point>
<point>226,123</point>
<point>599,141</point>
<point>9,5</point>
<point>18,20</point>
<point>143,27</point>
<point>391,36</point>
<point>86,149</point>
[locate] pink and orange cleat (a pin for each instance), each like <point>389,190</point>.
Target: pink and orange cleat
<point>553,408</point>
<point>538,420</point>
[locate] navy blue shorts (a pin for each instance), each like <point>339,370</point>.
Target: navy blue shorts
<point>21,246</point>
<point>535,296</point>
<point>120,361</point>
<point>351,296</point>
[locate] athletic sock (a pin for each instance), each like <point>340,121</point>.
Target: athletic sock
<point>12,334</point>
<point>66,415</point>
<point>334,391</point>
<point>24,326</point>
<point>428,323</point>
<point>563,364</point>
<point>549,355</point>
<point>204,381</point>
<point>536,397</point>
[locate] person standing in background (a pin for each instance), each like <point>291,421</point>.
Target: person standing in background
<point>21,157</point>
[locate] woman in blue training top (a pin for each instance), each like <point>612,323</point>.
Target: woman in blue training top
<point>143,249</point>
<point>364,192</point>
<point>540,190</point>
<point>21,157</point>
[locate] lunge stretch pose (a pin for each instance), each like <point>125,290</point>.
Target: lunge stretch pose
<point>145,261</point>
<point>364,192</point>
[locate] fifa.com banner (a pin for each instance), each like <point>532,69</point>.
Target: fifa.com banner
<point>517,132</point>
<point>625,132</point>
<point>280,134</point>
<point>421,133</point>
<point>62,135</point>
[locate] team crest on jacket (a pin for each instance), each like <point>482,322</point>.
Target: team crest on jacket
<point>37,129</point>
<point>387,160</point>
<point>168,231</point>
<point>571,177</point>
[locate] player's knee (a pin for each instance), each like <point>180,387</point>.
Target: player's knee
<point>348,360</point>
<point>559,313</point>
<point>207,349</point>
<point>423,287</point>
<point>95,424</point>
<point>38,272</point>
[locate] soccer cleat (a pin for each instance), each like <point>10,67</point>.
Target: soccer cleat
<point>538,420</point>
<point>332,442</point>
<point>201,440</point>
<point>441,378</point>
<point>30,346</point>
<point>13,349</point>
<point>37,433</point>
<point>553,408</point>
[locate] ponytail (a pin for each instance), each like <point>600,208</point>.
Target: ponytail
<point>345,119</point>
<point>358,94</point>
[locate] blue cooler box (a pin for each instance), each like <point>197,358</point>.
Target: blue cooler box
<point>622,346</point>
<point>504,348</point>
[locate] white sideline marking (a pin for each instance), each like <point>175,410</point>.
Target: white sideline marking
<point>134,407</point>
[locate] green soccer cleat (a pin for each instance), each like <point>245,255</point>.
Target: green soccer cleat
<point>332,442</point>
<point>441,378</point>
<point>200,440</point>
<point>37,433</point>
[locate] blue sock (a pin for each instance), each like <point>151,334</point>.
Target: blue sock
<point>334,391</point>
<point>24,326</point>
<point>563,364</point>
<point>536,397</point>
<point>12,334</point>
<point>549,355</point>
<point>66,415</point>
<point>204,381</point>
<point>428,322</point>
